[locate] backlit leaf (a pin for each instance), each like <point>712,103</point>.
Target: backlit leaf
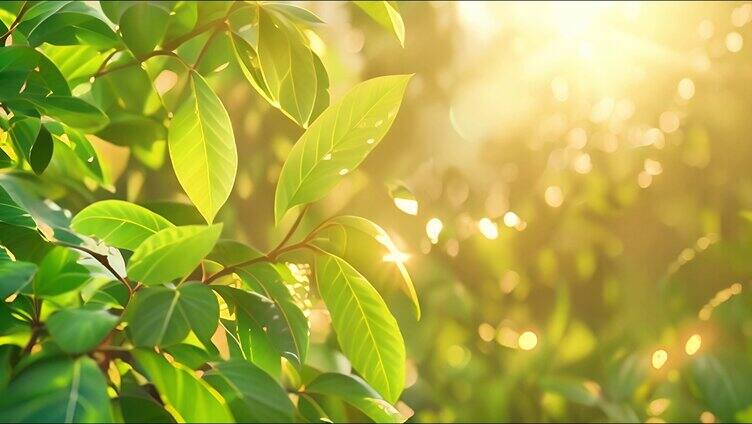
<point>190,399</point>
<point>202,148</point>
<point>338,141</point>
<point>367,332</point>
<point>386,14</point>
<point>172,253</point>
<point>118,223</point>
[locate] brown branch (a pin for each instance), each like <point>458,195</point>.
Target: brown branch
<point>102,259</point>
<point>292,229</point>
<point>12,27</point>
<point>206,47</point>
<point>167,48</point>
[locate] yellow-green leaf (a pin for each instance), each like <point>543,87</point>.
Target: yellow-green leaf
<point>189,398</point>
<point>367,332</point>
<point>338,141</point>
<point>202,148</point>
<point>386,14</point>
<point>172,253</point>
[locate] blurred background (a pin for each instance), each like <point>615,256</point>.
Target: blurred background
<point>567,184</point>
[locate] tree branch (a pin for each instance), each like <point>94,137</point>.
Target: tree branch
<point>167,48</point>
<point>102,259</point>
<point>12,27</point>
<point>292,229</point>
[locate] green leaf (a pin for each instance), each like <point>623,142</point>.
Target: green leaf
<point>69,110</point>
<point>357,393</point>
<point>68,23</point>
<point>386,14</point>
<point>202,148</point>
<point>190,399</point>
<point>24,131</point>
<point>263,324</point>
<point>367,333</point>
<point>85,153</point>
<point>16,63</point>
<point>172,253</point>
<point>80,330</point>
<point>15,276</point>
<point>137,409</point>
<point>251,339</point>
<point>161,316</point>
<point>142,27</point>
<point>12,213</point>
<point>231,253</point>
<point>41,152</point>
<point>118,223</point>
<point>251,394</point>
<point>8,356</point>
<point>288,67</point>
<point>288,319</point>
<point>338,141</point>
<point>57,390</point>
<point>723,383</point>
<point>59,272</point>
<point>374,231</point>
<point>573,389</point>
<point>294,12</point>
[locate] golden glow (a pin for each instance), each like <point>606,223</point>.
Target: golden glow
<point>408,206</point>
<point>658,406</point>
<point>487,332</point>
<point>434,226</point>
<point>528,340</point>
<point>721,297</point>
<point>734,42</point>
<point>693,344</point>
<point>707,417</point>
<point>396,257</point>
<point>511,219</point>
<point>686,89</point>
<point>659,359</point>
<point>653,167</point>
<point>488,228</point>
<point>554,196</point>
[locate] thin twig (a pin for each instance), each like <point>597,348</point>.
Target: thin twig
<point>102,259</point>
<point>206,47</point>
<point>105,62</point>
<point>12,27</point>
<point>167,48</point>
<point>294,227</point>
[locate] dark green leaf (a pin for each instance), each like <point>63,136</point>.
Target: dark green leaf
<point>80,330</point>
<point>160,316</point>
<point>190,399</point>
<point>57,390</point>
<point>251,394</point>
